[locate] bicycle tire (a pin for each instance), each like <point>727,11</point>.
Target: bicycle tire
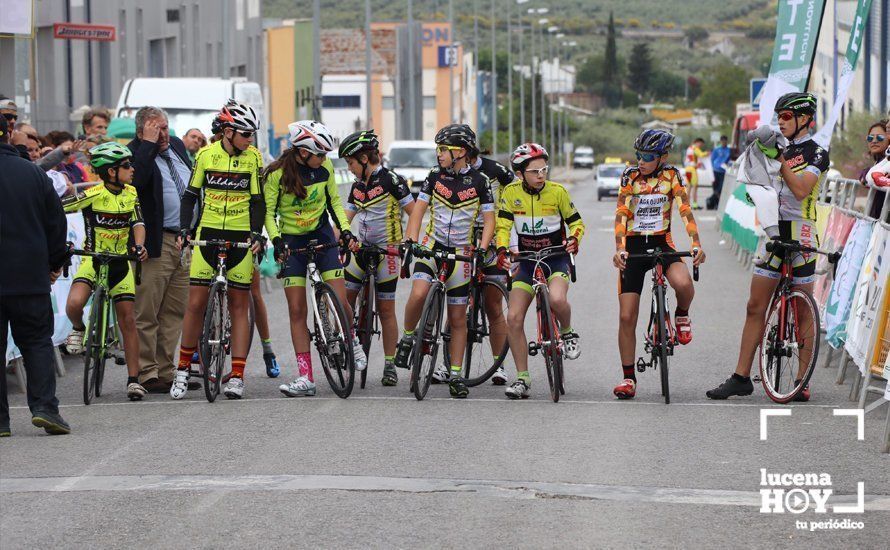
<point>340,367</point>
<point>213,356</point>
<point>365,323</point>
<point>662,343</point>
<point>550,352</point>
<point>102,356</point>
<point>426,342</point>
<point>92,347</point>
<point>479,338</point>
<point>773,370</point>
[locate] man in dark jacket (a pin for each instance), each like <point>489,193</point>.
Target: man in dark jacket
<point>33,229</point>
<point>163,170</point>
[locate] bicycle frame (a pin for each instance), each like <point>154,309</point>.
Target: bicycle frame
<point>539,286</point>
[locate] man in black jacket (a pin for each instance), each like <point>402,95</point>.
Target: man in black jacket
<point>163,170</point>
<point>33,229</point>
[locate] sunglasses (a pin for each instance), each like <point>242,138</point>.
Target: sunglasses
<point>319,155</point>
<point>647,157</point>
<point>10,116</point>
<point>875,137</point>
<point>443,148</point>
<point>786,116</point>
<point>542,172</point>
<point>245,135</point>
<point>126,165</point>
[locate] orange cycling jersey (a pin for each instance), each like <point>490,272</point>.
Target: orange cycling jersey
<point>645,203</point>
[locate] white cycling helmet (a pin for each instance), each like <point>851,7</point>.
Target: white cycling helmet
<point>239,116</point>
<point>310,135</point>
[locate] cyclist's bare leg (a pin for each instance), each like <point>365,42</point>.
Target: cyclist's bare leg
<point>77,298</point>
<point>457,323</point>
<point>194,315</point>
<point>238,306</point>
<point>518,307</point>
<point>805,332</point>
<point>297,310</point>
<point>497,324</point>
<point>351,296</point>
<point>261,317</point>
<point>126,322</point>
<point>680,280</point>
<point>628,313</point>
<point>559,302</point>
<point>762,289</point>
<point>389,325</point>
<point>419,290</point>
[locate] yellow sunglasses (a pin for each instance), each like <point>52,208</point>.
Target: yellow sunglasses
<point>443,148</point>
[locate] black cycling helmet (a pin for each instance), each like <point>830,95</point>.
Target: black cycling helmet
<point>363,140</point>
<point>654,141</point>
<point>800,103</point>
<point>458,135</point>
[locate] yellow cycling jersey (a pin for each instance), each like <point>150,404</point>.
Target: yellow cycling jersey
<point>107,215</point>
<point>228,182</point>
<point>540,219</point>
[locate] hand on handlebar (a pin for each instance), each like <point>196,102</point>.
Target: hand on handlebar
<point>571,245</point>
<point>698,256</point>
<point>279,249</point>
<point>141,251</point>
<point>619,260</point>
<point>504,260</point>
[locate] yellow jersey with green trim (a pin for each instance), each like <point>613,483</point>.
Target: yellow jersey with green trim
<point>540,219</point>
<point>107,217</point>
<point>228,182</point>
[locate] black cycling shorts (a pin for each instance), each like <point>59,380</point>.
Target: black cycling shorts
<point>633,277</point>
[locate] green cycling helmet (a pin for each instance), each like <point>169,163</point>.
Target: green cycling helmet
<point>109,154</point>
<point>363,140</point>
<point>798,103</point>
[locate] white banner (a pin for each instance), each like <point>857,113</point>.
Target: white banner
<point>840,299</point>
<point>868,295</point>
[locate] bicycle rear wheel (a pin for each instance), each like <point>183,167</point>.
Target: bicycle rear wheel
<point>426,342</point>
<point>364,329</point>
<point>93,353</point>
<point>480,357</point>
<point>334,341</point>
<point>549,347</point>
<point>790,346</point>
<point>662,342</point>
<point>211,344</point>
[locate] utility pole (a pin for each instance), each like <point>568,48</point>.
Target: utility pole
<point>451,61</point>
<point>543,94</point>
<point>494,86</point>
<point>511,143</point>
<point>552,81</point>
<point>533,68</point>
<point>368,74</point>
<point>522,124</point>
<point>412,91</point>
<point>316,57</point>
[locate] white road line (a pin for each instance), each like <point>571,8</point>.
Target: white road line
<point>498,488</point>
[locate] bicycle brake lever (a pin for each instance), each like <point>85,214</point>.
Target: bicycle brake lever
<point>695,273</point>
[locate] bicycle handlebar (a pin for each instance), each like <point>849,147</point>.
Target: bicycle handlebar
<point>775,245</point>
<point>105,257</point>
<point>219,243</point>
<point>540,255</point>
<point>422,252</point>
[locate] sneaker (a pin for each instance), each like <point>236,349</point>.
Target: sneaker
<point>499,378</point>
<point>180,384</point>
<point>734,385</point>
<point>804,394</point>
<point>458,388</point>
<point>441,374</point>
<point>361,360</point>
<point>272,367</point>
<point>518,389</point>
<point>684,329</point>
<point>234,388</point>
<point>572,345</point>
<point>52,423</point>
<point>135,391</point>
<point>74,342</point>
<point>4,429</point>
<point>301,387</point>
<point>627,389</point>
<point>403,351</point>
<point>390,376</point>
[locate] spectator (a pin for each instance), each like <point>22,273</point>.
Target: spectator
<point>68,165</point>
<point>8,110</point>
<point>95,122</point>
<point>877,140</point>
<point>194,139</point>
<point>719,161</point>
<point>27,129</point>
<point>163,170</point>
<point>32,245</point>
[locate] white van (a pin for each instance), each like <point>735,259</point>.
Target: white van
<point>412,160</point>
<point>193,102</point>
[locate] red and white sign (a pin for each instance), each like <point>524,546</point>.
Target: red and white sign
<point>78,31</point>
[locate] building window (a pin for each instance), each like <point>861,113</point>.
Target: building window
<point>172,16</point>
<point>341,102</point>
<point>429,102</point>
<point>389,102</point>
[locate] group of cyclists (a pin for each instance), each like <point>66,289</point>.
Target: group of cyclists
<point>475,206</point>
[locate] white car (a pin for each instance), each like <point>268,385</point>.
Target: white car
<point>583,157</point>
<point>608,179</point>
<point>412,160</point>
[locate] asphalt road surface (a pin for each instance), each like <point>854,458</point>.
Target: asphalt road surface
<point>383,470</point>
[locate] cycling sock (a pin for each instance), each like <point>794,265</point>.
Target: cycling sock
<point>681,312</point>
<point>185,357</point>
<point>525,377</point>
<point>739,378</point>
<point>408,332</point>
<point>565,330</point>
<point>455,371</point>
<point>629,372</point>
<point>132,380</point>
<point>267,346</point>
<point>388,358</point>
<point>304,365</point>
<point>238,366</point>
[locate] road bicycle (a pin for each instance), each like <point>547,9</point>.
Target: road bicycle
<point>789,347</point>
<point>548,342</point>
<point>331,330</point>
<point>661,336</point>
<point>102,335</point>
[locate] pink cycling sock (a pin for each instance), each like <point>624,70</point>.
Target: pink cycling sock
<point>304,364</point>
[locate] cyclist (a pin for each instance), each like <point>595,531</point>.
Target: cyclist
<point>803,165</point>
<point>112,218</point>
<point>539,210</point>
<point>302,202</point>
<point>692,164</point>
<point>643,221</point>
<point>499,176</point>
<point>455,193</point>
<point>227,174</point>
<point>374,208</point>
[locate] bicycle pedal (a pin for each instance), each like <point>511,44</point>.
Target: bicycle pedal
<point>119,361</point>
<point>756,379</point>
<point>641,365</point>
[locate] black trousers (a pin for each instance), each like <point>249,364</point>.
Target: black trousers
<point>31,320</point>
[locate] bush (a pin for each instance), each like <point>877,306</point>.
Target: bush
<point>633,23</point>
<point>611,134</point>
<point>655,24</point>
<point>761,31</point>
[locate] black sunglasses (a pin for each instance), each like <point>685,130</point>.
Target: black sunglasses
<point>126,165</point>
<point>10,116</point>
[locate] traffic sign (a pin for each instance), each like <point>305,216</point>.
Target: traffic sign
<point>755,91</point>
<point>79,31</point>
<point>447,56</point>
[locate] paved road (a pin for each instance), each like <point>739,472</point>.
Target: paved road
<point>381,469</point>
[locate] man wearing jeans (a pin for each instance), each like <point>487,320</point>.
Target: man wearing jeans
<point>163,170</point>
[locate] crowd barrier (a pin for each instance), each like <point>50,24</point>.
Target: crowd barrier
<point>853,297</point>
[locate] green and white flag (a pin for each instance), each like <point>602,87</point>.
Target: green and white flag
<point>740,221</point>
<point>823,136</point>
<point>797,31</point>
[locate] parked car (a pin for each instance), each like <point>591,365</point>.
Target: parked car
<point>412,160</point>
<point>608,178</point>
<point>583,157</point>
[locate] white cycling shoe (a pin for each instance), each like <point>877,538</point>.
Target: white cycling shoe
<point>234,388</point>
<point>361,360</point>
<point>572,345</point>
<point>499,378</point>
<point>441,374</point>
<point>301,387</point>
<point>180,384</point>
<point>74,342</point>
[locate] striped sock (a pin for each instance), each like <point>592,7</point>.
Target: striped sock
<point>185,357</point>
<point>238,366</point>
<point>267,346</point>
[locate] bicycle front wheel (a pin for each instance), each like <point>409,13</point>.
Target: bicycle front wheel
<point>212,341</point>
<point>790,345</point>
<point>487,345</point>
<point>426,342</point>
<point>364,321</point>
<point>93,352</point>
<point>662,342</point>
<point>549,345</point>
<point>334,341</point>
